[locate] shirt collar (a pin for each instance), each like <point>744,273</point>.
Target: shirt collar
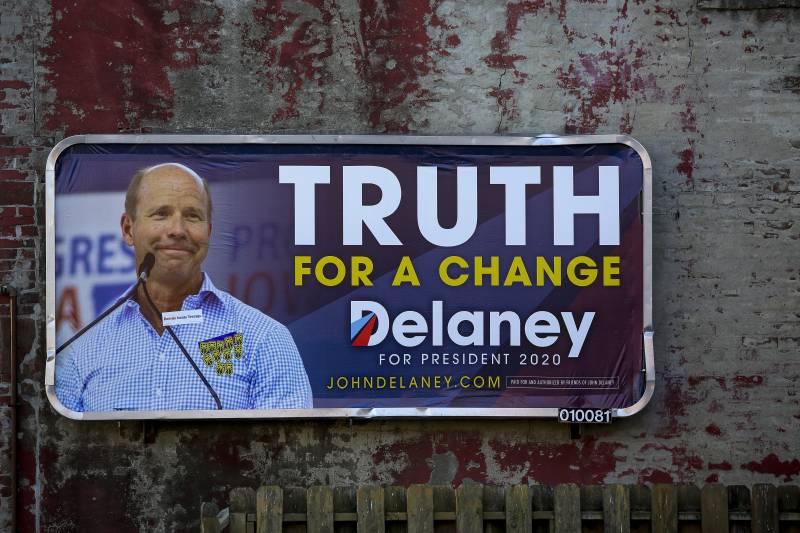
<point>207,288</point>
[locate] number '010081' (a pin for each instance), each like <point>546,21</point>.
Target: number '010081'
<point>584,416</point>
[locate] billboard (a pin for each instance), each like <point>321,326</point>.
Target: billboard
<point>325,276</point>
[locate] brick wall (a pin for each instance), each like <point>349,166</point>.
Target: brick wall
<point>712,92</point>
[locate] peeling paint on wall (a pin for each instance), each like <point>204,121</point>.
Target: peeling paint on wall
<point>108,63</point>
<point>712,95</point>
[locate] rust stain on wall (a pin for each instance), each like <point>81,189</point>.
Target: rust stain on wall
<point>394,52</point>
<point>455,455</point>
<point>771,464</point>
<point>614,76</point>
<point>684,462</point>
<point>654,475</point>
<point>502,58</point>
<point>108,63</point>
<point>588,461</point>
<point>686,165</point>
<point>599,80</point>
<point>675,402</point>
<point>294,48</point>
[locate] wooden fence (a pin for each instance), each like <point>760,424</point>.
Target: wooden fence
<point>520,508</point>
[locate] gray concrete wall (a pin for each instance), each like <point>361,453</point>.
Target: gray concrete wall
<point>712,91</point>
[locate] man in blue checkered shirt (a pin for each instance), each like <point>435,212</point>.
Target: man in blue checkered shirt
<point>128,362</point>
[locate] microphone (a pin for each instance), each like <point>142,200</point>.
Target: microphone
<point>147,265</point>
<point>144,270</point>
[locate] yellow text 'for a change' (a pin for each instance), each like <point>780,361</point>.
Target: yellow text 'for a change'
<point>454,271</point>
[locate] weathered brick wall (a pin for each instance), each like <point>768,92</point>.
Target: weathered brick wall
<point>713,94</point>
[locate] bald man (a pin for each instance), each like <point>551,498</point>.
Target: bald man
<point>127,362</point>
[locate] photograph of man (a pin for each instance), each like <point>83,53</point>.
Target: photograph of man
<point>128,361</point>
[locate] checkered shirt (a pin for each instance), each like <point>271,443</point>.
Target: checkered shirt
<point>124,364</point>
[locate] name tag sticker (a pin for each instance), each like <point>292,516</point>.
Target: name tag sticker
<point>176,318</point>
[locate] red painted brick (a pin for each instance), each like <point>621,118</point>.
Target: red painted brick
<point>29,231</point>
<point>21,243</point>
<point>12,175</point>
<point>16,221</point>
<point>15,230</point>
<point>11,216</point>
<point>17,193</point>
<point>14,84</point>
<point>14,150</point>
<point>772,464</point>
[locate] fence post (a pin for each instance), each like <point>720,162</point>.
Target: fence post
<point>269,510</point>
<point>542,501</point>
<point>419,508</point>
<point>243,501</point>
<point>469,508</point>
<point>664,509</point>
<point>208,518</point>
<point>519,517</point>
<point>714,509</point>
<point>765,509</point>
<point>319,509</point>
<point>789,498</point>
<point>567,508</point>
<point>370,510</point>
<point>739,501</point>
<point>714,504</point>
<point>616,509</point>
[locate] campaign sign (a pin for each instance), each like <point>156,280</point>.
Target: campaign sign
<point>311,276</point>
